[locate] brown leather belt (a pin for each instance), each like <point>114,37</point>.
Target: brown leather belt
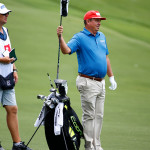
<point>93,78</point>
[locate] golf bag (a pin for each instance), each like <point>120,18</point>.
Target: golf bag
<point>71,131</point>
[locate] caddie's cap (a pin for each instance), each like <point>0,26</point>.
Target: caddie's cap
<point>3,9</point>
<point>93,14</point>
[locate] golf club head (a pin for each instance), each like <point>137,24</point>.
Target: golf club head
<point>42,97</point>
<point>62,86</point>
<point>53,90</point>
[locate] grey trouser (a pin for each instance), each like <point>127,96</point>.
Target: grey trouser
<point>92,100</point>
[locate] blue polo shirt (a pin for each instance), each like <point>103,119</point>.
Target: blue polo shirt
<point>91,53</point>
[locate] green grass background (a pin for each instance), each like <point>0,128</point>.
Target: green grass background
<point>32,29</point>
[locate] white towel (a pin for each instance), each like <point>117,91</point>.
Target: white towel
<point>40,117</point>
<point>58,118</point>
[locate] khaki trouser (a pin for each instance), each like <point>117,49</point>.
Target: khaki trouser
<point>92,100</point>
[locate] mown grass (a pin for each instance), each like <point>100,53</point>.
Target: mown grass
<point>32,28</point>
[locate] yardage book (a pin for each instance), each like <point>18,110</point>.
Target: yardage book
<point>12,54</point>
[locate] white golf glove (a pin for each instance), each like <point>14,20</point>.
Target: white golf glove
<point>113,83</point>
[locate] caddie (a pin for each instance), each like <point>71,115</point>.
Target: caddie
<point>8,79</point>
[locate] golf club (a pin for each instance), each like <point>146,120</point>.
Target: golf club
<point>63,12</point>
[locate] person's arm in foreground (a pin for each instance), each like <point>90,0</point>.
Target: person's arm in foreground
<point>110,75</point>
<point>64,48</point>
<point>6,60</point>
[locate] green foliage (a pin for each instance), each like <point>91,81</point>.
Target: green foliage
<point>32,29</point>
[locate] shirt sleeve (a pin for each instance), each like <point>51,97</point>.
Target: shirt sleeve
<point>73,44</point>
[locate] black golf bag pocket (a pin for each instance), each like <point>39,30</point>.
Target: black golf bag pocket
<point>71,132</point>
<point>7,82</point>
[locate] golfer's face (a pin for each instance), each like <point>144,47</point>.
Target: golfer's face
<point>95,24</point>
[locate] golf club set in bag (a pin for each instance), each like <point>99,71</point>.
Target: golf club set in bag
<point>63,129</point>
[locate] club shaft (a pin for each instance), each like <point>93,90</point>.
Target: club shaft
<point>59,51</point>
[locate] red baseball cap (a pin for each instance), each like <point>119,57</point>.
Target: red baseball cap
<point>93,14</point>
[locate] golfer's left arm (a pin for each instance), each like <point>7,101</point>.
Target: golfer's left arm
<point>109,70</point>
<point>110,75</point>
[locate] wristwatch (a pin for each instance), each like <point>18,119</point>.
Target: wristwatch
<point>15,70</point>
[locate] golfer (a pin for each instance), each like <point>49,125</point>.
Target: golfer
<point>93,65</point>
<point>8,73</point>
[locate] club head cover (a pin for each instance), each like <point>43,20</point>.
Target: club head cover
<point>64,7</point>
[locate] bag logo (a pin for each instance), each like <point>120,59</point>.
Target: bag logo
<point>73,119</point>
<point>8,83</point>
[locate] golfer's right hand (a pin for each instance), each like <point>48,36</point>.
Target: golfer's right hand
<point>6,60</point>
<point>59,30</point>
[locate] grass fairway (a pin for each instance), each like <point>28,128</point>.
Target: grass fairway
<point>32,29</point>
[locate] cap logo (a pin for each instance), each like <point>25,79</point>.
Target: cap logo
<point>98,14</point>
<point>2,7</point>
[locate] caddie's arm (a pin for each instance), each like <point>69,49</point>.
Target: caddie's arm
<point>15,73</point>
<point>6,60</point>
<point>64,48</point>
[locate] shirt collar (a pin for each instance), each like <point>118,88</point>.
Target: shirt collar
<point>4,35</point>
<point>87,32</point>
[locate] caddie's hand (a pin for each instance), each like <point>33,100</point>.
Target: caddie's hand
<point>59,30</point>
<point>6,60</point>
<point>113,83</point>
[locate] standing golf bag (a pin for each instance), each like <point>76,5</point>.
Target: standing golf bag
<point>71,131</point>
